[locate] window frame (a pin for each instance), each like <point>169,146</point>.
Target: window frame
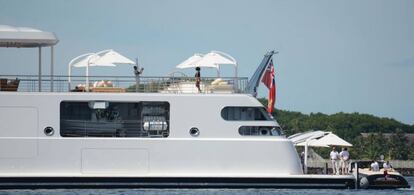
<point>278,129</point>
<point>140,119</point>
<point>262,110</point>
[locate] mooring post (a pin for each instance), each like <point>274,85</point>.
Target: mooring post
<point>356,176</point>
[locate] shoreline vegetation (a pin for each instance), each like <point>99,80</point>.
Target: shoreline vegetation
<point>370,135</point>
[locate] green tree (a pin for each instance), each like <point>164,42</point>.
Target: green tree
<point>374,146</point>
<point>349,126</point>
<point>398,146</point>
<point>358,149</point>
<point>411,154</point>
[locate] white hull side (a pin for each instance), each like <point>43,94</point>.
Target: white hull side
<point>219,151</point>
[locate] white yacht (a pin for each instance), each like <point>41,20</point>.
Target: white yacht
<point>148,138</point>
<point>187,139</point>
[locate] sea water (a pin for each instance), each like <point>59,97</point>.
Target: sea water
<point>215,191</point>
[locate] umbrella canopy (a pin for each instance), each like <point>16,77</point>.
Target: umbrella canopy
<point>192,62</point>
<point>103,58</point>
<point>318,139</point>
<point>210,60</point>
<point>313,143</point>
<point>330,140</point>
<point>302,137</point>
<point>216,59</point>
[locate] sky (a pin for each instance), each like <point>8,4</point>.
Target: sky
<point>334,56</point>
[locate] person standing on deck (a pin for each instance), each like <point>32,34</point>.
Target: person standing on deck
<point>375,166</point>
<point>387,166</point>
<point>198,78</point>
<point>334,160</point>
<point>137,73</point>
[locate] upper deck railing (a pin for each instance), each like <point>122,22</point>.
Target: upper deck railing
<point>116,84</point>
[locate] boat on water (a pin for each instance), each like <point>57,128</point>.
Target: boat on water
<point>161,132</point>
<point>383,178</point>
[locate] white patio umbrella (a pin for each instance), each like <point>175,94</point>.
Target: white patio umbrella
<point>192,62</point>
<point>326,141</point>
<point>210,60</point>
<point>103,58</point>
<point>92,58</point>
<point>313,143</point>
<point>215,58</point>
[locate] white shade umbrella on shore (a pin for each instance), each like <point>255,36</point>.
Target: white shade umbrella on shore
<point>326,140</point>
<point>330,140</point>
<point>313,143</point>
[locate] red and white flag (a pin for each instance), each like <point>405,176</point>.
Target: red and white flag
<point>269,81</point>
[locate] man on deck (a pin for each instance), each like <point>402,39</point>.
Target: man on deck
<point>344,154</point>
<point>334,160</point>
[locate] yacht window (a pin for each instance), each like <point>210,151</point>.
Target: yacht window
<point>260,131</point>
<point>245,114</point>
<point>114,119</point>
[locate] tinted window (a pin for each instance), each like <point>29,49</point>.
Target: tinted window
<point>114,119</point>
<point>245,114</point>
<point>259,131</point>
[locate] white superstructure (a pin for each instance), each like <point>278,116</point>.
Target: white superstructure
<point>141,135</point>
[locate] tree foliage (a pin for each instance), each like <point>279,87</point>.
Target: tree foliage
<point>349,126</point>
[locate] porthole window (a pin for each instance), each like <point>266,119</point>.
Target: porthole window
<point>49,131</point>
<point>260,131</point>
<point>194,132</point>
<point>245,114</point>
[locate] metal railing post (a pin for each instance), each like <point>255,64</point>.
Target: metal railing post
<point>51,67</point>
<point>40,69</point>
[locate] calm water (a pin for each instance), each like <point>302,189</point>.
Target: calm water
<point>213,191</point>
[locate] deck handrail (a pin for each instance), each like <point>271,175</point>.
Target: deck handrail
<point>154,84</point>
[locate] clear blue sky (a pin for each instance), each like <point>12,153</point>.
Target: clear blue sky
<point>350,56</point>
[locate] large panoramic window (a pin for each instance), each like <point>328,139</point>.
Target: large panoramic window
<point>245,114</point>
<point>114,119</point>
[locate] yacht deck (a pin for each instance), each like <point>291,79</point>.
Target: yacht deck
<point>123,84</point>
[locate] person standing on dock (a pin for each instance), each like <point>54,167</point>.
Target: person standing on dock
<point>198,78</point>
<point>334,160</point>
<point>344,155</point>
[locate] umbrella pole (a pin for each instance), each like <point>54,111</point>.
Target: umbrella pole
<point>69,79</point>
<point>87,77</point>
<point>305,161</point>
<point>40,70</point>
<point>236,84</point>
<point>87,69</point>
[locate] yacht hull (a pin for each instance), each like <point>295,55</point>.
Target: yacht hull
<point>379,181</point>
<point>300,181</point>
